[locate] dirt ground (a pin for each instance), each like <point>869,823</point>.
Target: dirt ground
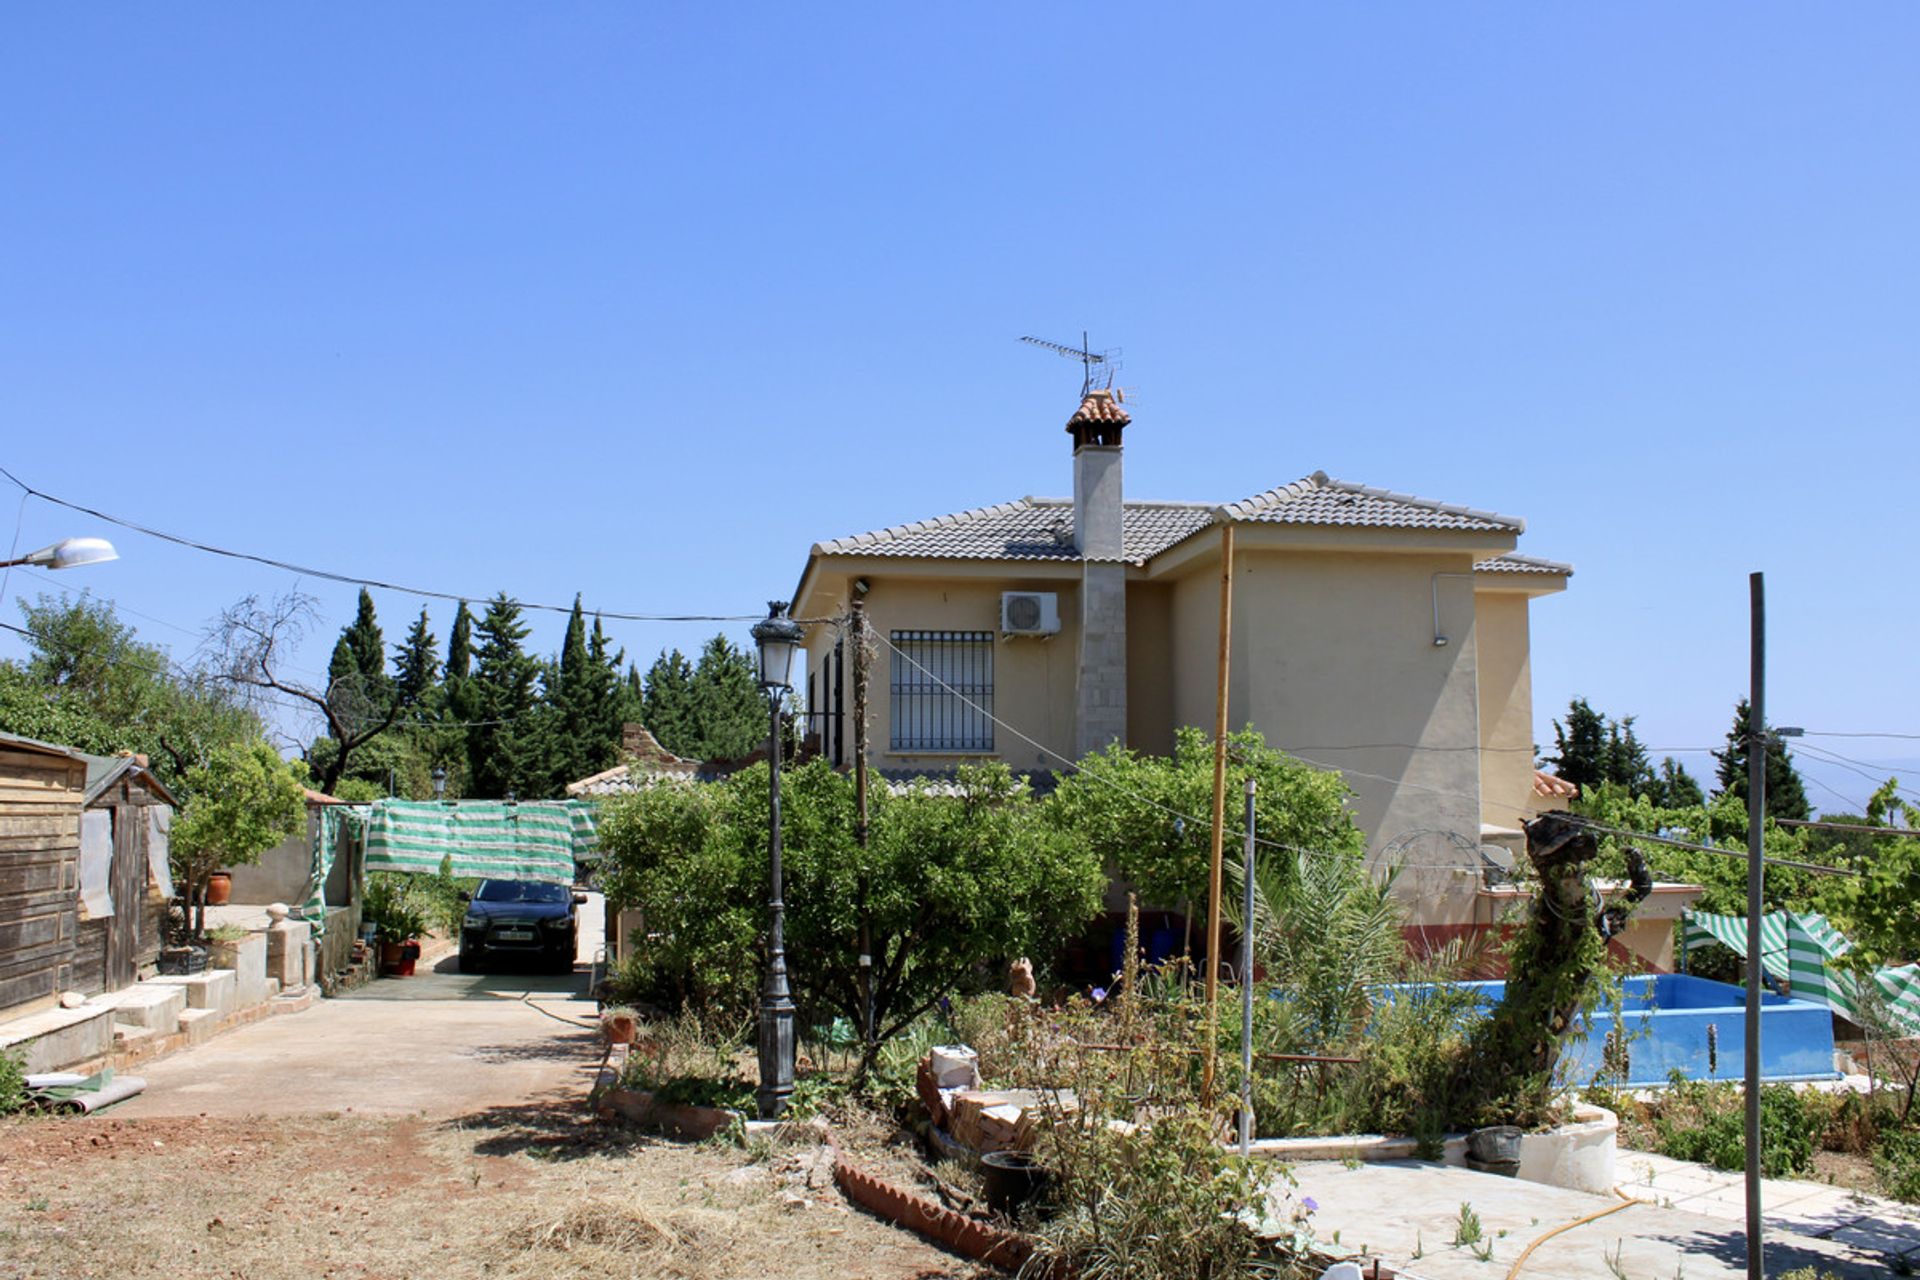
<point>509,1191</point>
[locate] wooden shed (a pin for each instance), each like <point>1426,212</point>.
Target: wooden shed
<point>42,792</point>
<point>124,880</point>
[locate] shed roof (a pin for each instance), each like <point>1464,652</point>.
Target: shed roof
<point>104,771</point>
<point>24,743</point>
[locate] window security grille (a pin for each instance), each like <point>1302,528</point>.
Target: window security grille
<point>942,691</point>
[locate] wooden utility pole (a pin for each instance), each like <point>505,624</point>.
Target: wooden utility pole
<point>859,634</point>
<point>1757,738</point>
<point>1219,810</point>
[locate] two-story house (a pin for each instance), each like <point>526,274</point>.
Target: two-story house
<point>1373,632</point>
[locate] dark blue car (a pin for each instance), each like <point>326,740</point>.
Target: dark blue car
<point>524,919</point>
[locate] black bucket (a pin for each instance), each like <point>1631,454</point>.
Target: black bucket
<point>1012,1179</point>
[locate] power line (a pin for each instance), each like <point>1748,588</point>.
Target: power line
<point>1905,737</point>
<point>347,578</point>
<point>1651,838</point>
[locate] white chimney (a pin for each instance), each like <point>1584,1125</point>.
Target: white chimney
<point>1099,514</point>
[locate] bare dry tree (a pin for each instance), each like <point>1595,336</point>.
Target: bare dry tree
<point>250,647</point>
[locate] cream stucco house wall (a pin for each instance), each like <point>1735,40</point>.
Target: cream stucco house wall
<point>1373,632</point>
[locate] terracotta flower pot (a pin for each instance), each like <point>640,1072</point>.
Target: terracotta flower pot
<point>619,1028</point>
<point>219,889</point>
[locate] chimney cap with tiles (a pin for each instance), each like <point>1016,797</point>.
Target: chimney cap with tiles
<point>1099,420</point>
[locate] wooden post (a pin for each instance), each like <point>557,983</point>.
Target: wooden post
<point>1219,811</point>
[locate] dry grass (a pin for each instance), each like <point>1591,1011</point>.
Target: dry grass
<point>518,1194</point>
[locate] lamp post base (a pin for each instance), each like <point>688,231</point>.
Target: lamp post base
<point>776,1054</point>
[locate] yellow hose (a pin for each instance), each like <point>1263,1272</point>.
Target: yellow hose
<point>1626,1202</point>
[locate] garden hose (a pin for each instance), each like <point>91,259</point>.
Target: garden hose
<point>1626,1202</point>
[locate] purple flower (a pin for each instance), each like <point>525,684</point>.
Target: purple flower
<point>1099,994</point>
<point>1310,1204</point>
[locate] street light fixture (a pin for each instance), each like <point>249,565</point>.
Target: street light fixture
<point>778,639</point>
<point>67,553</point>
<point>439,782</point>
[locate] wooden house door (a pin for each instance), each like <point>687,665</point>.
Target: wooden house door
<point>129,887</point>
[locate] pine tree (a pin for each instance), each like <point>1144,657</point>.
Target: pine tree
<point>667,704</point>
<point>1626,758</point>
<point>1582,744</point>
<point>1786,796</point>
<point>415,664</point>
<point>1674,787</point>
<point>583,728</point>
<point>728,707</point>
<point>502,742</point>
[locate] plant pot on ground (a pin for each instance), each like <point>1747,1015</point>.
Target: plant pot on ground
<point>219,889</point>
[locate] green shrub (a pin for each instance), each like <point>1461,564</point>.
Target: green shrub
<point>1706,1123</point>
<point>393,906</point>
<point>1897,1160</point>
<point>13,1083</point>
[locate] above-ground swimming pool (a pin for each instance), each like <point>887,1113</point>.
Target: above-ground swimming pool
<point>1677,1022</point>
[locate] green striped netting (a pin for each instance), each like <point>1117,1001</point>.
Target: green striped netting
<point>1801,948</point>
<point>535,840</point>
<point>531,840</point>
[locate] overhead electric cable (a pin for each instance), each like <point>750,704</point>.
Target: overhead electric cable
<point>352,579</point>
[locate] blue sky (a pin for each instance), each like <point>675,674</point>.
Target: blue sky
<point>641,301</point>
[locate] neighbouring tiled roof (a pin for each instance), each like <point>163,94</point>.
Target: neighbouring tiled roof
<point>1320,499</point>
<point>1027,529</point>
<point>633,776</point>
<point>1514,562</point>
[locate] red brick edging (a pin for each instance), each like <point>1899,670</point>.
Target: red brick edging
<point>956,1231</point>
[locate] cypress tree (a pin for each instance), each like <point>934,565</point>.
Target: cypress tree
<point>365,648</point>
<point>1786,796</point>
<point>460,645</point>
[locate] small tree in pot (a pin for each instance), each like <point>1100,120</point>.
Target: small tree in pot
<point>242,802</point>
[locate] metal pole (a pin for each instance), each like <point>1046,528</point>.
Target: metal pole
<point>776,1001</point>
<point>1756,871</point>
<point>1219,813</point>
<point>1246,987</point>
<point>860,823</point>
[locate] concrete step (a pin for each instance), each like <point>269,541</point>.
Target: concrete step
<point>216,989</point>
<point>57,1038</point>
<point>155,1005</point>
<point>131,1035</point>
<point>199,1024</point>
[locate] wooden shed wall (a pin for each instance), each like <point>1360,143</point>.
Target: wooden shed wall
<point>40,800</point>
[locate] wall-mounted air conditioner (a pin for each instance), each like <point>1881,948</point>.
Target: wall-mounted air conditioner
<point>1029,613</point>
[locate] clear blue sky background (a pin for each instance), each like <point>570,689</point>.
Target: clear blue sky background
<point>640,301</point>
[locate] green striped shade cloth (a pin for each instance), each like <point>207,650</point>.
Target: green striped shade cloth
<point>532,840</point>
<point>1801,946</point>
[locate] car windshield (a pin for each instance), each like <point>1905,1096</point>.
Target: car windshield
<point>521,891</point>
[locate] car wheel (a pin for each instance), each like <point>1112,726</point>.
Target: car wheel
<point>469,962</point>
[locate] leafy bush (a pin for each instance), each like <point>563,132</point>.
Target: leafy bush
<point>1706,1122</point>
<point>1896,1159</point>
<point>392,905</point>
<point>13,1083</point>
<point>948,888</point>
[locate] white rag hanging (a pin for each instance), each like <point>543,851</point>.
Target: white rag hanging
<point>96,863</point>
<point>159,823</point>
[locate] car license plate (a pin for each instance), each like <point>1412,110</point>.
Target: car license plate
<point>516,935</point>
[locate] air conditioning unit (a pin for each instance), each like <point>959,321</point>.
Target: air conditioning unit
<point>1029,613</point>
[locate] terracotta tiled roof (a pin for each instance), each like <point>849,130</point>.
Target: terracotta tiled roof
<point>1319,499</point>
<point>1028,529</point>
<point>1514,562</point>
<point>1099,406</point>
<point>1042,528</point>
<point>1549,787</point>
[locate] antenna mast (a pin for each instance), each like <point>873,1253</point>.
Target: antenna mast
<point>1097,367</point>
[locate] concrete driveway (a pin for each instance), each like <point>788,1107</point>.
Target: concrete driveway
<point>441,1043</point>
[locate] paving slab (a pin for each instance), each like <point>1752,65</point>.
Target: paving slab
<point>1408,1213</point>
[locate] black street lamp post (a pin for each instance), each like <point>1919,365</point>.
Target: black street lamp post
<point>778,637</point>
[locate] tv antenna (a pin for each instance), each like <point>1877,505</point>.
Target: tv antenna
<point>1098,366</point>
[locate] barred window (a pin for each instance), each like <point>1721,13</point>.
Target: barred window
<point>942,691</point>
